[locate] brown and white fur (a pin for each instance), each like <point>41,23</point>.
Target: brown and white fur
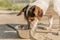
<point>34,12</point>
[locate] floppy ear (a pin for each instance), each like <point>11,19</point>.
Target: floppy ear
<point>20,13</point>
<point>23,10</point>
<point>40,12</point>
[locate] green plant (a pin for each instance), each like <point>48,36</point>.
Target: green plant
<point>5,4</point>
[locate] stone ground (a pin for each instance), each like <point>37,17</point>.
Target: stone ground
<point>4,34</point>
<point>7,33</point>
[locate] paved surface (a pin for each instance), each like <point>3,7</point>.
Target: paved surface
<point>7,33</point>
<point>4,34</point>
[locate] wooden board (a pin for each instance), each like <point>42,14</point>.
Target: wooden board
<point>14,39</point>
<point>12,19</point>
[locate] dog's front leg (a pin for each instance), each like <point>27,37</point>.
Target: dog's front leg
<point>33,26</point>
<point>50,22</point>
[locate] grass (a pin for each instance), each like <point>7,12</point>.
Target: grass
<point>14,7</point>
<point>4,4</point>
<point>10,6</point>
<point>19,6</point>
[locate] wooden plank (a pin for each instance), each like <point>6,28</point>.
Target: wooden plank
<point>14,39</point>
<point>46,31</point>
<point>8,12</point>
<point>12,19</point>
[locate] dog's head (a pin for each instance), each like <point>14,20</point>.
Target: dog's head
<point>33,12</point>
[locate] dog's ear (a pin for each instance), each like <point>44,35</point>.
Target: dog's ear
<point>40,12</point>
<point>23,10</point>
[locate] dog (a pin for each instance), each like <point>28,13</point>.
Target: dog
<point>34,12</point>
